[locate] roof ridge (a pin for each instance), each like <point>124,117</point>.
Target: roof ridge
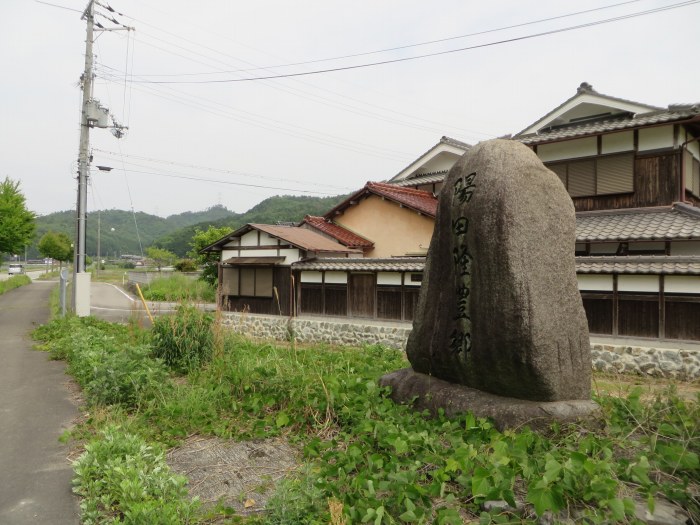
<point>395,187</point>
<point>625,211</point>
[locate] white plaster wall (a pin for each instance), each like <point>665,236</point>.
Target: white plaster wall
<point>250,238</point>
<point>569,149</point>
<point>682,284</point>
<point>389,278</point>
<point>407,280</point>
<point>617,142</point>
<point>595,282</point>
<point>655,138</point>
<point>259,253</point>
<point>336,277</point>
<point>267,240</point>
<point>694,149</point>
<point>638,283</point>
<point>291,255</point>
<point>311,277</point>
<point>685,248</point>
<point>227,254</point>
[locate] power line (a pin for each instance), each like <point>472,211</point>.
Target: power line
<point>59,6</point>
<point>216,181</point>
<point>248,117</point>
<point>405,46</point>
<point>428,55</point>
<point>207,168</point>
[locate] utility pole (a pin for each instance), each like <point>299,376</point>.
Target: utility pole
<point>93,115</point>
<point>81,279</point>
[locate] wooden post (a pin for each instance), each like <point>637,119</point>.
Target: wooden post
<point>662,308</point>
<point>615,313</point>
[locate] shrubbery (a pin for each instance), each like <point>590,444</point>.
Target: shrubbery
<point>186,265</point>
<point>184,341</point>
<point>111,364</point>
<point>177,288</point>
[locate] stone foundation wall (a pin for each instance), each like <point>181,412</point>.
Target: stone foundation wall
<point>656,362</point>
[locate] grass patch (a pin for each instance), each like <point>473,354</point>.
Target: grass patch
<point>14,282</point>
<point>367,460</point>
<point>177,288</point>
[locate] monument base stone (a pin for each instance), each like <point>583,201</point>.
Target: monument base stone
<point>427,392</point>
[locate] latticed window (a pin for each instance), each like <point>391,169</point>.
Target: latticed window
<point>247,282</point>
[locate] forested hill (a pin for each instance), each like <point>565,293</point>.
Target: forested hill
<point>284,208</point>
<point>119,227</point>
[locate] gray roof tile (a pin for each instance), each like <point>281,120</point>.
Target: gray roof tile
<point>640,264</point>
<point>396,264</point>
<point>674,113</point>
<point>677,222</point>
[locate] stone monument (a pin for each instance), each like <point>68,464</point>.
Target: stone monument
<point>500,328</point>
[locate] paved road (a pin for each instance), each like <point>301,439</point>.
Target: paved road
<point>111,303</point>
<point>33,274</point>
<point>35,408</point>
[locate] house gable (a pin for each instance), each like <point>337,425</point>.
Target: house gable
<point>395,230</point>
<point>439,158</point>
<point>587,105</point>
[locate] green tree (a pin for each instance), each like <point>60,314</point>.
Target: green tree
<point>16,221</point>
<point>56,245</point>
<point>208,261</point>
<point>160,257</point>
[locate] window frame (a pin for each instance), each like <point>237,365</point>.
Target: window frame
<point>595,159</point>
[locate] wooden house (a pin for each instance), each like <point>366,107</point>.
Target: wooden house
<point>633,173</point>
<point>255,269</point>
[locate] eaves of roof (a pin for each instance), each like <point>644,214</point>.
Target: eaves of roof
<point>423,178</point>
<point>639,264</point>
<point>397,264</point>
<point>663,223</point>
<point>688,114</point>
<point>294,235</point>
<point>443,140</point>
<point>342,235</point>
<point>588,91</point>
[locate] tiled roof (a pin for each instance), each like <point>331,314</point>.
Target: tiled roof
<point>421,201</point>
<point>397,264</point>
<point>454,142</point>
<point>672,114</point>
<point>629,264</point>
<point>422,178</point>
<point>677,222</point>
<point>342,235</point>
<point>302,238</point>
<point>640,264</point>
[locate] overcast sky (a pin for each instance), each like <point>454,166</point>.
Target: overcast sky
<point>322,134</point>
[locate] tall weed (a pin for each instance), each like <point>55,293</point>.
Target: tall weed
<point>184,340</point>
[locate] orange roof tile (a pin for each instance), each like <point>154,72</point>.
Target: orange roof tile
<point>342,235</point>
<point>417,200</point>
